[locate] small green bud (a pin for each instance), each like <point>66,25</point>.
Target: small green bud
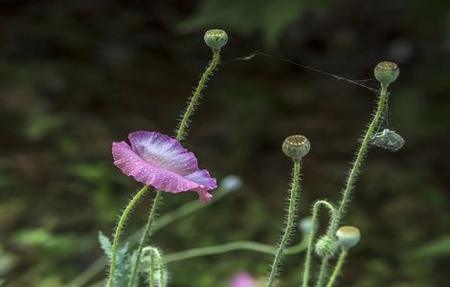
<point>326,246</point>
<point>386,72</point>
<point>216,38</point>
<point>348,236</point>
<point>296,146</point>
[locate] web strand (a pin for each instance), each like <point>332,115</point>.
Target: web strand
<point>307,67</point>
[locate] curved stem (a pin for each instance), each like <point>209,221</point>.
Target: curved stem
<point>323,273</point>
<point>119,230</point>
<point>337,268</point>
<point>180,135</point>
<point>161,222</point>
<point>145,234</point>
<point>156,256</point>
<point>360,156</point>
<point>315,216</point>
<point>356,166</point>
<point>151,276</point>
<point>290,221</point>
<point>193,102</point>
<point>231,246</point>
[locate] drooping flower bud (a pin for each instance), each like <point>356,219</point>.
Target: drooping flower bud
<point>348,236</point>
<point>386,72</point>
<point>326,246</point>
<point>387,139</point>
<point>296,146</point>
<point>216,38</point>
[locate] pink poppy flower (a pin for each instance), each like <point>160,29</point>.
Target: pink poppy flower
<point>243,279</point>
<point>162,162</point>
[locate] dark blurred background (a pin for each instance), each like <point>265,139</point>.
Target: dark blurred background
<point>77,75</point>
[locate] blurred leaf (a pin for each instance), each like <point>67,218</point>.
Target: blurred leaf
<point>7,262</point>
<point>49,242</point>
<point>437,248</point>
<point>268,17</point>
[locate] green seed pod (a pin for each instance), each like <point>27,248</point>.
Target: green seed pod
<point>386,72</point>
<point>326,246</point>
<point>216,38</point>
<point>348,236</point>
<point>296,146</point>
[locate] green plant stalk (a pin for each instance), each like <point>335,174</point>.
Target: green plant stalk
<point>356,167</point>
<point>224,248</point>
<point>180,135</point>
<point>323,272</point>
<point>315,217</point>
<point>232,246</point>
<point>119,230</point>
<point>151,278</point>
<point>185,120</point>
<point>145,234</point>
<point>161,222</point>
<point>156,256</point>
<point>360,156</point>
<point>338,267</point>
<point>290,222</point>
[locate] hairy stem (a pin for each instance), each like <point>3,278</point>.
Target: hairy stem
<point>180,134</point>
<point>323,272</point>
<point>315,217</point>
<point>360,156</point>
<point>156,258</point>
<point>151,276</point>
<point>146,233</point>
<point>356,167</point>
<point>184,122</point>
<point>337,268</point>
<point>290,222</point>
<point>119,231</point>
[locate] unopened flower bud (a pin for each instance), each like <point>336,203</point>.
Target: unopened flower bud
<point>296,146</point>
<point>216,38</point>
<point>386,72</point>
<point>306,225</point>
<point>348,236</point>
<point>326,246</point>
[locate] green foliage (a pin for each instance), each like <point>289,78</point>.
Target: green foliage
<point>48,242</point>
<point>249,16</point>
<point>437,248</point>
<point>124,260</point>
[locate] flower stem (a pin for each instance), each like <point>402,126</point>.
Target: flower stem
<point>315,216</point>
<point>356,167</point>
<point>146,233</point>
<point>155,258</point>
<point>323,272</point>
<point>231,246</point>
<point>119,230</point>
<point>180,134</point>
<point>193,102</point>
<point>290,222</point>
<point>337,268</point>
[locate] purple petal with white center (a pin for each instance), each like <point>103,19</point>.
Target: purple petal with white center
<point>162,162</point>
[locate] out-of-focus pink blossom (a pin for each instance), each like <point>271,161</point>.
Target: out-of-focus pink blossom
<point>243,279</point>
